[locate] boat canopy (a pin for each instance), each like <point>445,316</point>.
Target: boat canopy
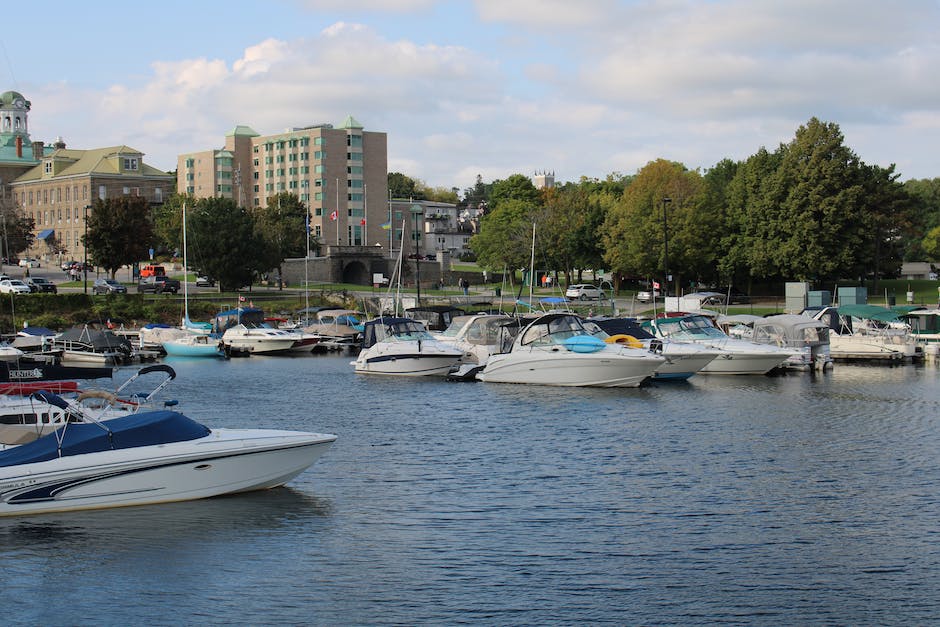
<point>144,429</point>
<point>248,316</point>
<point>388,327</point>
<point>869,312</point>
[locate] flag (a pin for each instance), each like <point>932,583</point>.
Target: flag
<point>241,299</point>
<point>334,215</point>
<point>307,223</point>
<point>655,285</point>
<point>387,226</point>
<point>362,222</point>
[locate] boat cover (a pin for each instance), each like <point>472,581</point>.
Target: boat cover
<point>144,429</point>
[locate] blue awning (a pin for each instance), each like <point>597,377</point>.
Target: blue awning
<point>46,234</point>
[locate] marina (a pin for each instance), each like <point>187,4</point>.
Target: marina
<point>805,498</point>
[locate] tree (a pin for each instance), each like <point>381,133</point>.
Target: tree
<point>168,223</point>
<point>231,250</point>
<point>18,232</point>
<point>636,233</point>
<point>120,232</point>
<point>516,187</point>
<point>931,244</point>
<point>282,228</point>
<point>505,237</point>
<point>402,186</point>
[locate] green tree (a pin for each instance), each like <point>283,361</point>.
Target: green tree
<point>231,250</point>
<point>120,232</point>
<point>281,226</point>
<point>402,186</point>
<point>642,225</point>
<point>18,232</point>
<point>505,237</point>
<point>931,244</point>
<point>516,187</point>
<point>168,223</point>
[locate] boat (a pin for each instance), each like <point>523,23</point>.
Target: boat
<point>866,333</point>
<point>145,458</point>
<point>93,346</point>
<point>191,345</point>
<point>403,347</point>
<point>556,349</point>
<point>25,417</point>
<point>10,353</point>
<point>737,356</point>
<point>807,338</point>
<point>243,331</point>
<point>477,336</point>
<point>683,359</point>
<point>434,317</point>
<point>336,328</point>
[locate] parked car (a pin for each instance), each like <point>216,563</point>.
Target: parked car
<point>41,284</point>
<point>108,286</point>
<point>204,281</point>
<point>158,285</point>
<point>13,286</point>
<point>584,292</point>
<point>646,296</point>
<point>29,262</point>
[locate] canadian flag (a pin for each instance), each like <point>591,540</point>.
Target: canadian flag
<point>241,299</point>
<point>334,215</point>
<point>655,285</point>
<point>362,222</point>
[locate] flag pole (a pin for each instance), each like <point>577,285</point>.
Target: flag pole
<point>337,212</point>
<point>365,214</point>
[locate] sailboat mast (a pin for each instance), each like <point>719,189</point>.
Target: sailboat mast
<point>185,275</point>
<point>532,268</point>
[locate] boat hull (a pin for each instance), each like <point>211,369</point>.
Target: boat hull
<point>744,363</point>
<point>569,369</point>
<point>188,348</point>
<point>406,364</point>
<point>224,462</point>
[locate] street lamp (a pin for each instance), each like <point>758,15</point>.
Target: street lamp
<point>666,201</point>
<point>416,210</point>
<point>85,250</point>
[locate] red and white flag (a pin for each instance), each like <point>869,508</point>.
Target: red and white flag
<point>334,215</point>
<point>655,285</point>
<point>362,222</point>
<point>241,299</point>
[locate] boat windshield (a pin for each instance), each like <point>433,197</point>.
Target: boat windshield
<point>406,332</point>
<point>689,328</point>
<point>456,326</point>
<point>553,330</point>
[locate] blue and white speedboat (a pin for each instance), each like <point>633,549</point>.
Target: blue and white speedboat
<point>144,458</point>
<point>403,347</point>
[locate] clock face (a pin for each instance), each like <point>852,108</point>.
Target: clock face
<point>18,103</point>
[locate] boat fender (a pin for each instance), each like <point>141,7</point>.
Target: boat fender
<point>108,396</point>
<point>622,338</point>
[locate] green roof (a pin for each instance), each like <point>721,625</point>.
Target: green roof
<point>242,131</point>
<point>350,122</point>
<point>101,161</point>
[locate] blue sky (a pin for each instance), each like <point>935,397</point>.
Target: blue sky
<point>489,87</point>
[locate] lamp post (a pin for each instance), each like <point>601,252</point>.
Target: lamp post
<point>85,251</point>
<point>666,201</point>
<point>416,210</point>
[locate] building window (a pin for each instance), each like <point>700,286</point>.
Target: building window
<point>102,192</point>
<point>130,163</point>
<point>48,165</point>
<point>354,156</point>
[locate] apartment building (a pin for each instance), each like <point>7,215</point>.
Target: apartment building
<point>340,174</point>
<point>53,184</point>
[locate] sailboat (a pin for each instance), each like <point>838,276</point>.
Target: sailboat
<point>196,342</point>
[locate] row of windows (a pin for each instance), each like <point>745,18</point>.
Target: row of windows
<point>54,196</point>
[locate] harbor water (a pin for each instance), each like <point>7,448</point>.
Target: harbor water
<point>796,499</point>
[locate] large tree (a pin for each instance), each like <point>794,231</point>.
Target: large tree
<point>120,232</point>
<point>230,249</point>
<point>282,225</point>
<point>17,231</point>
<point>505,238</point>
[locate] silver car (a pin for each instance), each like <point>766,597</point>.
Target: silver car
<point>584,292</point>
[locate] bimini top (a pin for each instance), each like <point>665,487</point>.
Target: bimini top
<point>144,429</point>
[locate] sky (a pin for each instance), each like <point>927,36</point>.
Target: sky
<point>487,87</point>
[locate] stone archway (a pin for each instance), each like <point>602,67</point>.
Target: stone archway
<point>357,273</point>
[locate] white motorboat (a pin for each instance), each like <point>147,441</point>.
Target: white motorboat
<point>25,417</point>
<point>336,327</point>
<point>556,349</point>
<point>403,347</point>
<point>150,457</point>
<point>736,356</point>
<point>683,359</point>
<point>259,340</point>
<point>807,338</point>
<point>478,336</point>
<point>866,332</point>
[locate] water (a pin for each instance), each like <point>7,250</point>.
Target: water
<point>753,500</point>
